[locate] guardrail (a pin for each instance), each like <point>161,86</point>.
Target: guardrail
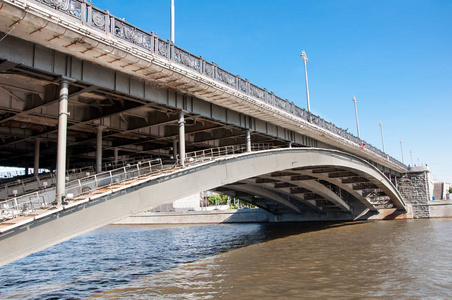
<point>30,184</point>
<point>196,157</point>
<point>25,204</point>
<point>84,12</point>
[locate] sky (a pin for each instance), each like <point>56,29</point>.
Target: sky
<point>395,56</point>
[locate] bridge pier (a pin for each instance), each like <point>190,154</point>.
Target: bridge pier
<point>416,188</point>
<point>36,158</point>
<point>248,140</point>
<point>181,123</point>
<point>62,141</point>
<point>115,155</point>
<point>174,148</point>
<point>99,149</point>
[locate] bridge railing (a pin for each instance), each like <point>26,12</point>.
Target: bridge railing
<point>83,11</point>
<point>196,157</point>
<point>26,185</point>
<point>28,203</point>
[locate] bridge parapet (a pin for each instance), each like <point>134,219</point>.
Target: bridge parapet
<point>85,13</point>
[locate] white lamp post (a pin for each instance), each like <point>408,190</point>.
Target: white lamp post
<point>356,114</point>
<point>382,140</point>
<point>172,21</point>
<point>401,150</point>
<point>305,59</point>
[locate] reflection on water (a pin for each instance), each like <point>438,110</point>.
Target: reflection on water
<point>391,259</point>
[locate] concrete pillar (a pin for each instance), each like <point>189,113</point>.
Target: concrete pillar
<point>115,154</point>
<point>248,140</point>
<point>99,149</point>
<point>290,144</point>
<point>36,164</point>
<point>175,148</point>
<point>181,139</point>
<point>62,141</point>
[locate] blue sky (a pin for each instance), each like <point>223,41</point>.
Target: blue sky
<point>395,56</point>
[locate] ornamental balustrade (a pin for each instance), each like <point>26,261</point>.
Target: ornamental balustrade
<point>83,11</point>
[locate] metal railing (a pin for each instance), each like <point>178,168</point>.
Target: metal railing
<point>199,156</point>
<point>84,12</point>
<point>25,204</point>
<point>33,183</point>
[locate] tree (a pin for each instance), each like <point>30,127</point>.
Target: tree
<point>218,199</point>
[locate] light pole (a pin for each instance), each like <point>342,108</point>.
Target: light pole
<point>356,114</point>
<point>172,21</point>
<point>411,155</point>
<point>401,150</point>
<point>382,140</point>
<point>305,59</point>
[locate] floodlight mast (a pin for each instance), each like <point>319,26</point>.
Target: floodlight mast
<point>172,22</point>
<point>356,114</point>
<point>305,59</point>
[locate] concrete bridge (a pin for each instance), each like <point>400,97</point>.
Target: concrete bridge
<point>80,87</point>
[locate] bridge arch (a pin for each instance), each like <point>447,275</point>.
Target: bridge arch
<point>114,204</point>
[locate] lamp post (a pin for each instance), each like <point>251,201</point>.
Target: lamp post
<point>305,59</point>
<point>382,139</point>
<point>401,150</point>
<point>411,155</point>
<point>356,114</point>
<point>172,21</point>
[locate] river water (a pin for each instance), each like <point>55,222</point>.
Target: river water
<point>407,259</point>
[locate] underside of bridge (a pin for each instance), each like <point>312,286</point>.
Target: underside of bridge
<point>131,126</point>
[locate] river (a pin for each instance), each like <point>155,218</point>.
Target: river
<point>406,259</point>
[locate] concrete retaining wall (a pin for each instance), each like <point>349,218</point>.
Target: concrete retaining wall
<point>440,209</point>
<point>199,217</point>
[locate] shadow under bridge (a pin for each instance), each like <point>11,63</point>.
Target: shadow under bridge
<point>318,182</point>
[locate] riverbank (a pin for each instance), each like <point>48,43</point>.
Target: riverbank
<point>437,209</point>
<point>199,217</point>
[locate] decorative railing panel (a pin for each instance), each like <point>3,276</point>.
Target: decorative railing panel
<point>185,58</point>
<point>98,19</point>
<point>72,8</point>
<point>131,34</point>
<point>102,20</point>
<point>226,77</point>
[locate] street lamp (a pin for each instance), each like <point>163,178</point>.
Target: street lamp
<point>411,155</point>
<point>356,114</point>
<point>172,22</point>
<point>305,59</point>
<point>382,140</point>
<point>401,150</point>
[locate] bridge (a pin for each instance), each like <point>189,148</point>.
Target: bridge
<point>125,121</point>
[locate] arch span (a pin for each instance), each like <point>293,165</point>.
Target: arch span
<point>116,203</point>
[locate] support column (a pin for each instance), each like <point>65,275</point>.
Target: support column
<point>181,139</point>
<point>290,144</point>
<point>62,141</point>
<point>248,140</point>
<point>99,149</point>
<point>36,164</point>
<point>175,149</point>
<point>115,154</point>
